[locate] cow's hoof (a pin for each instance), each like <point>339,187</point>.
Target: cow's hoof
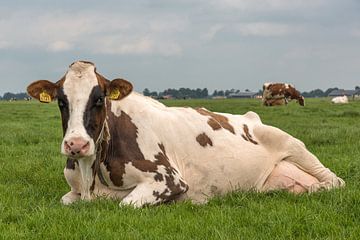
<point>341,182</point>
<point>70,198</point>
<point>335,183</point>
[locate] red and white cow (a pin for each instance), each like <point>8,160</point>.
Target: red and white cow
<point>125,146</point>
<point>280,93</point>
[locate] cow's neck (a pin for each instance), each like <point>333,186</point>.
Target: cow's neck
<point>87,176</point>
<point>90,166</point>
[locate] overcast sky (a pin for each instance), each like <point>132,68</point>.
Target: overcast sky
<point>159,44</point>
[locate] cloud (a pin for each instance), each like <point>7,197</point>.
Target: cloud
<point>266,5</point>
<point>142,45</point>
<point>264,29</point>
<point>355,32</point>
<point>59,46</point>
<point>96,32</point>
<point>213,30</point>
<point>4,44</point>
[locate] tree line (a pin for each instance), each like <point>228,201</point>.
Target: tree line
<point>19,96</point>
<point>184,93</point>
<point>203,93</point>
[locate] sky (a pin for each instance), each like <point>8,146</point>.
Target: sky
<point>160,44</point>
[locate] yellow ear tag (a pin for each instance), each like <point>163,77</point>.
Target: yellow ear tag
<point>115,94</point>
<point>45,97</point>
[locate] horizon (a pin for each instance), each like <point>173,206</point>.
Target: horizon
<point>215,44</point>
<point>210,93</point>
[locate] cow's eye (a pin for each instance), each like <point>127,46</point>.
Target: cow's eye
<point>61,103</point>
<point>99,102</point>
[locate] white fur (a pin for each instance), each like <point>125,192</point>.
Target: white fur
<point>340,100</point>
<point>79,82</point>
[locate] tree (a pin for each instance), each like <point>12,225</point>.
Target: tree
<point>357,88</point>
<point>146,92</point>
<point>327,92</point>
<point>204,93</point>
<point>154,94</point>
<point>221,93</point>
<point>314,93</point>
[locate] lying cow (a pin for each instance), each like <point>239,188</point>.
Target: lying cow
<point>340,100</point>
<point>125,146</point>
<point>280,94</point>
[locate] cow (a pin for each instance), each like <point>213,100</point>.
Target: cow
<point>340,100</point>
<point>122,145</point>
<point>280,94</point>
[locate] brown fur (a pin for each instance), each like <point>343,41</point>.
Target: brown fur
<point>123,149</point>
<point>248,136</point>
<point>204,140</point>
<point>216,121</point>
<point>275,102</point>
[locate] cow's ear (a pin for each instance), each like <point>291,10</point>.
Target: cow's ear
<point>118,89</point>
<point>43,90</point>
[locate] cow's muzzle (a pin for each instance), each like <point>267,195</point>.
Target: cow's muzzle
<point>76,147</point>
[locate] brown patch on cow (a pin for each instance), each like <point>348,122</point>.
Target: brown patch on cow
<point>275,102</point>
<point>158,177</point>
<point>145,165</point>
<point>214,124</point>
<point>173,190</point>
<point>216,121</point>
<point>204,140</point>
<point>123,149</point>
<point>244,137</point>
<point>103,82</point>
<point>248,136</point>
<point>71,163</point>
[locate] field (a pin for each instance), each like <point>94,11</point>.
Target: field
<point>32,183</point>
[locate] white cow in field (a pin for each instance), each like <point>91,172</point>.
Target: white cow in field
<point>340,100</point>
<point>125,146</point>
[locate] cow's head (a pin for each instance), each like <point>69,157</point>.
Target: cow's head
<point>301,100</point>
<point>82,95</point>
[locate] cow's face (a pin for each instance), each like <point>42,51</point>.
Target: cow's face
<point>302,101</point>
<point>82,95</point>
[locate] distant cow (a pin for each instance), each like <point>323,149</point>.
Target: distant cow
<point>340,100</point>
<point>125,146</point>
<point>280,94</point>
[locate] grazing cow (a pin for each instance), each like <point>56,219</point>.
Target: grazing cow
<point>340,100</point>
<point>274,92</point>
<point>125,146</point>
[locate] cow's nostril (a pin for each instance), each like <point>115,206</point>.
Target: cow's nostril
<point>71,144</point>
<point>72,153</point>
<point>86,145</point>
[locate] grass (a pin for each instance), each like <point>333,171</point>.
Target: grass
<point>32,183</point>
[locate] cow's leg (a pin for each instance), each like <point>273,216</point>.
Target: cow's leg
<point>73,178</point>
<point>308,162</point>
<point>294,151</point>
<point>155,190</point>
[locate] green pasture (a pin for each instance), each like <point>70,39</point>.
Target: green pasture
<point>32,183</point>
